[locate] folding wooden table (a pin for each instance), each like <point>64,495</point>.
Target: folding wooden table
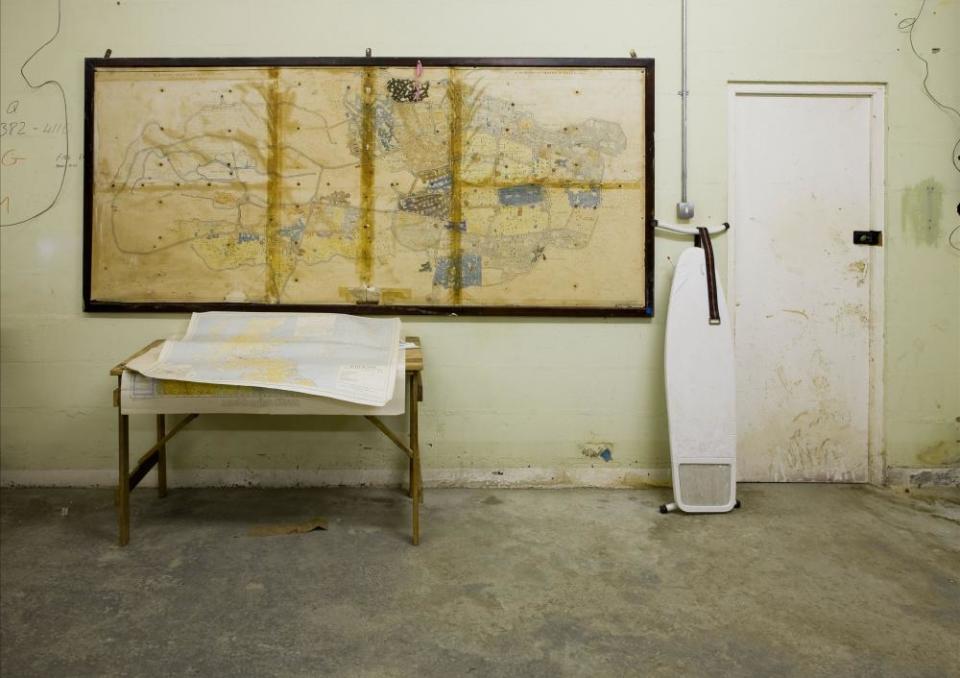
<point>157,454</point>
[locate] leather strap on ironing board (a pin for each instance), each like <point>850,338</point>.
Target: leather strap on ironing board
<point>711,276</point>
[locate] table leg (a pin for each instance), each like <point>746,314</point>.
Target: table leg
<point>418,382</point>
<point>123,480</point>
<point>416,487</point>
<point>161,457</point>
<point>412,391</point>
<point>416,516</point>
<point>416,397</point>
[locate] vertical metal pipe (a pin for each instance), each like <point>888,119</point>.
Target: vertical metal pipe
<point>684,208</point>
<point>683,101</point>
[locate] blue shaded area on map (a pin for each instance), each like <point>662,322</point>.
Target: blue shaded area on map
<point>429,203</point>
<point>526,194</point>
<point>444,274</point>
<point>441,183</point>
<point>383,116</point>
<point>350,223</point>
<point>245,236</point>
<point>383,121</point>
<point>589,198</point>
<point>294,232</point>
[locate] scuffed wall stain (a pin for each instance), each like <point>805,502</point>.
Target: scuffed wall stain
<point>812,445</point>
<point>810,448</point>
<point>852,312</point>
<point>921,209</point>
<point>787,384</point>
<point>943,453</point>
<point>859,269</point>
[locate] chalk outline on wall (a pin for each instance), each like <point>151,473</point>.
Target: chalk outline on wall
<point>66,127</point>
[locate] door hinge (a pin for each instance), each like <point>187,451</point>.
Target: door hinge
<point>868,238</point>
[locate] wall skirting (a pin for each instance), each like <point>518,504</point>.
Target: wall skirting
<point>923,477</point>
<point>507,477</point>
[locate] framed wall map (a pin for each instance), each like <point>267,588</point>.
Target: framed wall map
<point>371,185</point>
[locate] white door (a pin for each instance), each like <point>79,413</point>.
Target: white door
<point>806,172</point>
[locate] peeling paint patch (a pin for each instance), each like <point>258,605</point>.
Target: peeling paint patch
<point>909,477</point>
<point>921,207</point>
<point>946,478</point>
<point>603,450</point>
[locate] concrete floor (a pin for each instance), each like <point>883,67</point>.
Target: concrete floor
<point>805,580</point>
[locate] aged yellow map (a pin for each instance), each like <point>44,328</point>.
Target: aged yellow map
<point>397,186</point>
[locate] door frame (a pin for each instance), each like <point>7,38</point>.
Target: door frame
<point>875,93</point>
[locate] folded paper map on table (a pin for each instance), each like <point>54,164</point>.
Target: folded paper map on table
<point>145,395</point>
<point>337,356</point>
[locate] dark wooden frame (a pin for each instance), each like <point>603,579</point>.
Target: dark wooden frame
<point>93,305</point>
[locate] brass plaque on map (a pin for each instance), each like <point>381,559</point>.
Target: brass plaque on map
<point>377,185</point>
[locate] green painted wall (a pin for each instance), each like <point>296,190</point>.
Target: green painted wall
<point>514,395</point>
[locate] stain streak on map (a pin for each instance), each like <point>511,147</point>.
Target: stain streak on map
<point>274,245</point>
<point>455,93</point>
<point>368,128</point>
